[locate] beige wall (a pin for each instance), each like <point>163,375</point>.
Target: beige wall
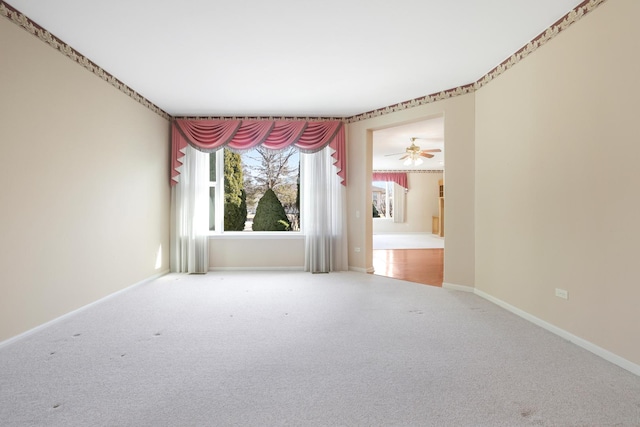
<point>541,185</point>
<point>557,178</point>
<point>422,204</point>
<point>85,194</point>
<point>246,252</point>
<point>459,176</point>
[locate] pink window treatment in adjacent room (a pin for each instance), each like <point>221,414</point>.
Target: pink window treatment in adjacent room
<point>399,178</point>
<point>239,135</point>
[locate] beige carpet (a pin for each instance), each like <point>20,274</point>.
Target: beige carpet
<point>297,349</point>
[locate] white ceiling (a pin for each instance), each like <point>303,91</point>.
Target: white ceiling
<point>335,58</point>
<point>430,134</point>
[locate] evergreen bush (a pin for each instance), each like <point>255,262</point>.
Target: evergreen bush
<point>270,214</point>
<point>235,198</point>
<point>235,216</point>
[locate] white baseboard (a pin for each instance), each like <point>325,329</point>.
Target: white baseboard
<point>77,310</point>
<point>402,232</point>
<point>256,268</point>
<point>589,346</point>
<point>362,270</point>
<point>455,287</point>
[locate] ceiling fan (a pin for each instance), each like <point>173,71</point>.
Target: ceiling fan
<point>413,153</point>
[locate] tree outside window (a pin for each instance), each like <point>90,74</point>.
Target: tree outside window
<point>261,190</point>
<point>382,199</point>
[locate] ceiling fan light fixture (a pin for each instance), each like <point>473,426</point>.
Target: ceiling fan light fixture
<point>412,155</point>
<point>413,161</point>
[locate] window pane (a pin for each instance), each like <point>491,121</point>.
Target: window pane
<point>382,199</point>
<point>389,199</point>
<point>379,189</point>
<point>261,190</point>
<point>212,208</point>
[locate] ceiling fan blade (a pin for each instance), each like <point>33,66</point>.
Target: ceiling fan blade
<point>403,157</point>
<point>427,155</point>
<point>395,154</point>
<point>432,150</point>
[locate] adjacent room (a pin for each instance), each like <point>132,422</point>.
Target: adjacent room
<point>189,234</point>
<point>408,201</point>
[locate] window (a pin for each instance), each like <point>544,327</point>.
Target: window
<point>382,199</point>
<point>257,190</point>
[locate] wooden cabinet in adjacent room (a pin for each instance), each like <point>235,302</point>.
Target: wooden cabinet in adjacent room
<point>435,225</point>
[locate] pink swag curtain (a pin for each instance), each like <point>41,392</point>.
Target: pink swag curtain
<point>210,135</point>
<point>399,178</point>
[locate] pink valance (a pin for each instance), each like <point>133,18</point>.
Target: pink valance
<point>211,135</point>
<point>399,178</point>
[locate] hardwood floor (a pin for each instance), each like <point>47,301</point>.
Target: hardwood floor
<point>424,266</point>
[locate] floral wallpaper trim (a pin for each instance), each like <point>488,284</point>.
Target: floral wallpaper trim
<point>562,24</point>
<point>461,90</point>
<point>283,118</point>
<point>27,24</point>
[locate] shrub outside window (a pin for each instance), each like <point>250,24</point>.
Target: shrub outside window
<point>260,190</point>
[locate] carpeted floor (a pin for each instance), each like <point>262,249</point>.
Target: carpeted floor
<point>296,349</point>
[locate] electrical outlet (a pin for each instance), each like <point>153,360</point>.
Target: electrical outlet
<point>356,249</point>
<point>562,293</point>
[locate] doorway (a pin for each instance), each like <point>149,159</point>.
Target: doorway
<point>407,207</point>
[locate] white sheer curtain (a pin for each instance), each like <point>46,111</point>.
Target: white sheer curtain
<point>399,203</point>
<point>323,213</point>
<point>189,222</point>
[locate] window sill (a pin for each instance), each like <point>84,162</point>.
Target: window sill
<point>259,235</point>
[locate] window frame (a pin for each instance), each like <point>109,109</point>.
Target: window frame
<point>219,231</point>
<point>218,184</point>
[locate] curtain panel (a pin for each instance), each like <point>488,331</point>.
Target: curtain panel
<point>189,221</point>
<point>399,203</point>
<point>241,135</point>
<point>324,214</point>
<point>399,178</point>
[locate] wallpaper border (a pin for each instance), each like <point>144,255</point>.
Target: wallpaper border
<point>33,28</point>
<point>284,118</point>
<point>541,39</point>
<point>560,25</point>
